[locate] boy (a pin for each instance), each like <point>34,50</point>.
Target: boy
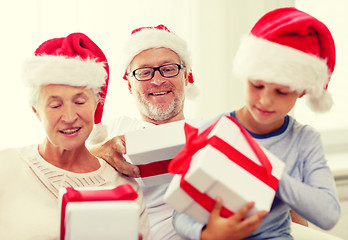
<point>287,55</point>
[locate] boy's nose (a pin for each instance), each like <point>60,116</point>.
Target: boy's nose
<point>266,98</point>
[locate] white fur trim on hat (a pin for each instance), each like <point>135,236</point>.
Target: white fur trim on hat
<point>155,38</point>
<point>322,104</point>
<point>260,59</point>
<point>51,69</point>
<point>191,91</point>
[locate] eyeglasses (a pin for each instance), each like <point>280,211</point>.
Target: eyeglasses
<point>168,71</point>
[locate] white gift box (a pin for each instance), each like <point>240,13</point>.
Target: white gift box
<point>152,148</point>
<point>212,173</point>
<point>90,220</point>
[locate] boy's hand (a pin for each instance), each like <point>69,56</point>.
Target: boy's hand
<point>111,151</point>
<point>234,227</point>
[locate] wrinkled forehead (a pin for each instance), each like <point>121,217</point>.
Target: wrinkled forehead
<point>154,57</point>
<point>61,90</point>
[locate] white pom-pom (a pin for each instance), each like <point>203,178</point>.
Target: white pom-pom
<point>320,104</point>
<point>98,135</point>
<point>191,91</point>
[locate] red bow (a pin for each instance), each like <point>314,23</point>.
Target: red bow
<point>194,141</point>
<point>123,192</point>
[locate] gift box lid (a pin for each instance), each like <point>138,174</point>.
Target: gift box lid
<point>155,143</point>
<point>90,197</point>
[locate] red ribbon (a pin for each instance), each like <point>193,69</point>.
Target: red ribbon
<point>203,199</point>
<point>194,141</point>
<point>154,168</point>
<point>123,192</point>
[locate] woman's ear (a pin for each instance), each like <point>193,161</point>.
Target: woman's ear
<point>36,113</point>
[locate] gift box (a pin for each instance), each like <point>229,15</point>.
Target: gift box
<point>151,149</point>
<point>99,213</point>
<point>222,161</point>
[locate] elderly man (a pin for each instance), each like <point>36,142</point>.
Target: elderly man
<point>158,70</point>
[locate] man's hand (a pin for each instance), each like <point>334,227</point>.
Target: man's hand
<point>234,227</point>
<point>111,151</point>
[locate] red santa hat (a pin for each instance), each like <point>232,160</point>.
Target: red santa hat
<point>289,47</point>
<point>156,37</point>
<point>74,60</point>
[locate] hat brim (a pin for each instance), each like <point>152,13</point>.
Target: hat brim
<point>51,69</point>
<point>155,38</point>
<point>260,59</point>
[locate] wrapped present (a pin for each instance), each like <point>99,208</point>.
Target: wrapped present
<point>99,213</point>
<point>222,161</point>
<point>151,149</point>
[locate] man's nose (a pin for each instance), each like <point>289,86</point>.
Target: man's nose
<point>157,78</point>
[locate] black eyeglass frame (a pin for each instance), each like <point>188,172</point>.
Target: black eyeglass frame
<point>159,70</point>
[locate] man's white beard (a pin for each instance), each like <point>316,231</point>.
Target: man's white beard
<point>159,112</point>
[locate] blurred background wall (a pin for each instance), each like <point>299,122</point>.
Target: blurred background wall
<point>212,28</point>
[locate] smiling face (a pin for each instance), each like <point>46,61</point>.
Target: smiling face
<point>160,99</point>
<point>266,106</point>
<point>67,114</point>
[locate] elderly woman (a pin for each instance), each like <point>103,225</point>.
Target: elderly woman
<point>68,79</point>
